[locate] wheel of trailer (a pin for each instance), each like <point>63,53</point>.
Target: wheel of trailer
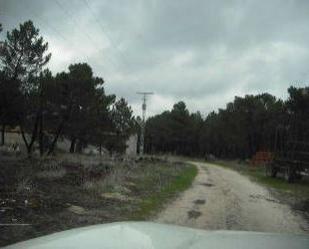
<point>267,169</point>
<point>289,175</point>
<point>270,170</point>
<point>298,176</point>
<point>298,172</point>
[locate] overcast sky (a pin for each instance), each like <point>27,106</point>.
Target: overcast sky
<point>202,52</point>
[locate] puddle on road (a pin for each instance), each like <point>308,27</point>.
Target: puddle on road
<point>192,214</point>
<point>206,184</point>
<point>231,222</point>
<point>200,202</point>
<point>302,206</point>
<point>258,196</point>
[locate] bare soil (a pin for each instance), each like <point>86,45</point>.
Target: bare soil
<point>223,199</point>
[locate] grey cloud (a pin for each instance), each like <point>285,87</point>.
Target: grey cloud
<point>203,52</point>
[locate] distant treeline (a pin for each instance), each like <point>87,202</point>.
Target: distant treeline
<point>71,104</point>
<point>247,125</point>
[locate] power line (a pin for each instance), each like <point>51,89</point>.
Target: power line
<point>104,32</point>
<point>60,35</point>
<point>124,60</point>
<point>64,9</point>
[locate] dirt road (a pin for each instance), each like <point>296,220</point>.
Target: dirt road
<point>222,199</point>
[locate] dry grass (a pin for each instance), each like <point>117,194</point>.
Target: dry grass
<point>25,186</point>
<point>81,159</point>
<point>113,182</point>
<point>50,168</point>
<point>51,174</point>
<point>39,191</point>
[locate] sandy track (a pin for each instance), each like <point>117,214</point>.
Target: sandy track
<point>222,199</point>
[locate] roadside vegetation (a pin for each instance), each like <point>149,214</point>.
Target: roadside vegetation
<point>182,177</point>
<point>55,194</point>
<point>296,194</point>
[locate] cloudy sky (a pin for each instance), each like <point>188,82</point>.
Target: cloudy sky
<point>203,52</point>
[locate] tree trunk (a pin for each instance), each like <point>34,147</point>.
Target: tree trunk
<point>25,141</point>
<point>72,147</point>
<point>79,146</point>
<point>41,136</point>
<point>3,135</point>
<point>41,145</point>
<point>33,136</point>
<point>59,129</point>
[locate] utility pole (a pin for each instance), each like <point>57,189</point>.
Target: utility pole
<point>142,138</point>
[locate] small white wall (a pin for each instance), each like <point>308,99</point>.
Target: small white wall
<point>131,143</point>
<point>15,138</point>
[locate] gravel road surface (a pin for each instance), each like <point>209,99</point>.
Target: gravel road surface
<point>223,199</point>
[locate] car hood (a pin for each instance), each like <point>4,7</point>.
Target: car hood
<point>147,235</point>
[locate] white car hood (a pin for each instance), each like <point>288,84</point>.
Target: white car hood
<point>147,235</point>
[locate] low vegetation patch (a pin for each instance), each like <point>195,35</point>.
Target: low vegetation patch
<point>55,194</point>
<point>161,185</point>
